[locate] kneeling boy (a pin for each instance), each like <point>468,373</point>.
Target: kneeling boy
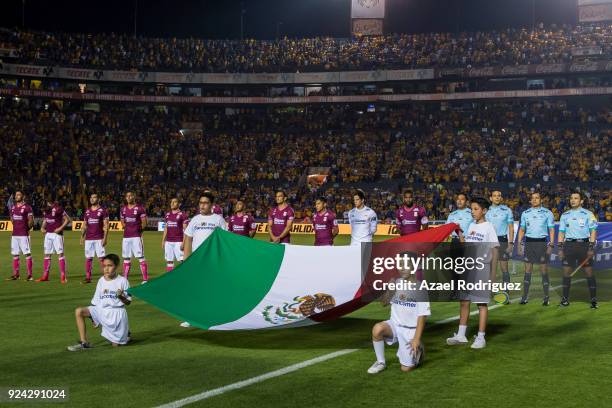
<point>409,310</point>
<point>107,307</point>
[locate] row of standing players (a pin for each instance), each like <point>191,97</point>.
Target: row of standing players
<point>182,235</point>
<point>481,223</point>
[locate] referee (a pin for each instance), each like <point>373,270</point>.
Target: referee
<point>577,238</point>
<point>462,216</point>
<point>537,223</point>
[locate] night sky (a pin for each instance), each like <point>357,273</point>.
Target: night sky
<point>299,18</point>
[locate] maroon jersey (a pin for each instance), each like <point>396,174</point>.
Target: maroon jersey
<point>94,219</point>
<point>175,223</point>
<point>280,219</point>
<point>409,220</point>
<point>323,224</point>
<point>217,209</point>
<point>132,218</point>
<point>241,224</point>
<point>54,217</point>
<point>19,217</point>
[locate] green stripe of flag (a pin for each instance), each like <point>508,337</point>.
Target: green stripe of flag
<point>211,288</point>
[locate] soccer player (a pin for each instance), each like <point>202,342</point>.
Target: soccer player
<point>577,238</point>
<point>410,217</point>
<point>94,235</point>
<point>23,220</point>
<point>363,220</point>
<point>502,219</point>
<point>537,224</point>
<point>242,223</point>
<point>405,326</point>
<point>107,308</point>
<point>201,226</point>
<point>54,222</point>
<point>462,216</point>
<point>134,221</point>
<point>324,223</point>
<point>280,219</point>
<point>482,234</point>
<point>172,238</point>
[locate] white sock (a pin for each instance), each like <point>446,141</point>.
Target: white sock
<point>462,329</point>
<point>379,350</point>
<point>481,334</point>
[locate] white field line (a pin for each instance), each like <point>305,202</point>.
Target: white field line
<point>255,380</point>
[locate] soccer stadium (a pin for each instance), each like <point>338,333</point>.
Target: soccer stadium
<point>327,202</point>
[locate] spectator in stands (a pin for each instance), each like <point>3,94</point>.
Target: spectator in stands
<point>512,46</point>
<point>119,148</point>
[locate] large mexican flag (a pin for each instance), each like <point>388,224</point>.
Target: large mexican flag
<point>231,282</point>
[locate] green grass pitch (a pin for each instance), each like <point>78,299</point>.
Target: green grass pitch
<point>535,355</point>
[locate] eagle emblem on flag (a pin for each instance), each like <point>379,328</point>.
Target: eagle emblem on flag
<point>300,307</point>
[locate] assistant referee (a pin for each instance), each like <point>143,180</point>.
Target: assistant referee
<point>577,238</point>
<point>537,226</point>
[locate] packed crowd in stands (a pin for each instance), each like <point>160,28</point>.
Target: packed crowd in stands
<point>513,46</point>
<point>247,153</point>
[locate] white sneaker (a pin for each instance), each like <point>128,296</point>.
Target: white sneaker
<point>456,339</point>
<point>143,282</point>
<point>80,346</point>
<point>377,367</point>
<point>479,342</point>
<point>185,324</point>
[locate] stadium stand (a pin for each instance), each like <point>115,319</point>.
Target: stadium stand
<point>72,147</point>
<point>513,46</point>
<point>250,151</point>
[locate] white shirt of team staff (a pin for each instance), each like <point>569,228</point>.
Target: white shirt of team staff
<point>201,226</point>
<point>363,222</point>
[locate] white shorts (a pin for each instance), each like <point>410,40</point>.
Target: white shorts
<point>54,243</point>
<point>132,247</point>
<point>173,251</point>
<point>114,322</point>
<point>20,244</point>
<point>93,247</point>
<point>403,336</point>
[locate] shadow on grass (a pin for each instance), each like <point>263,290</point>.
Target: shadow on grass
<point>348,332</point>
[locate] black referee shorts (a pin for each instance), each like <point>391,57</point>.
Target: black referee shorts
<point>503,247</point>
<point>575,252</point>
<point>535,251</point>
